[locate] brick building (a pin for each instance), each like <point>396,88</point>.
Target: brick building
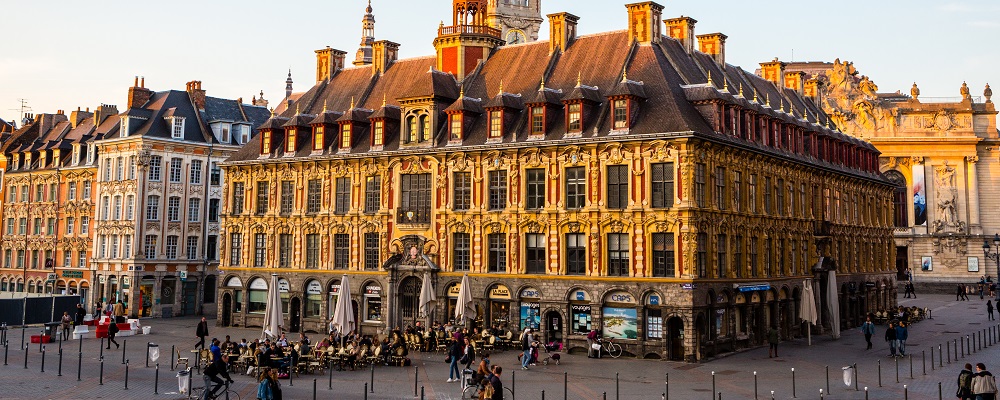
<point>628,181</point>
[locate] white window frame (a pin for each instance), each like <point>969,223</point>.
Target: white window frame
<point>177,127</point>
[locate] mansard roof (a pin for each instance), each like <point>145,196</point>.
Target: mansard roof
<point>151,123</point>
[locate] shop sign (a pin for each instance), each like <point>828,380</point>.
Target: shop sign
<point>454,289</point>
<point>234,282</point>
<point>126,281</point>
<point>102,279</point>
<point>373,290</point>
<point>753,287</point>
<point>580,295</point>
<point>258,284</point>
<point>283,286</point>
<point>334,288</point>
<point>500,292</point>
<point>184,275</point>
<point>72,274</point>
<point>314,288</point>
<point>687,286</point>
<point>580,308</point>
<point>530,293</point>
<point>51,278</point>
<point>654,299</point>
<point>869,284</point>
<point>621,297</point>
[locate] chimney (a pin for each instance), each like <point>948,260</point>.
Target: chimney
<point>682,29</point>
<point>644,22</point>
<point>138,94</point>
<point>774,72</point>
<point>811,88</point>
<point>76,117</point>
<point>562,31</point>
<point>103,112</point>
<point>328,62</point>
<point>795,80</point>
<point>197,94</point>
<point>384,53</point>
<point>713,44</point>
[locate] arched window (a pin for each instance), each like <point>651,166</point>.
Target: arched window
<point>425,128</point>
<point>900,214</point>
<point>412,130</point>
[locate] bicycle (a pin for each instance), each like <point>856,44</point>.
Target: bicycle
<point>611,348</point>
<point>228,393</point>
<point>470,390</point>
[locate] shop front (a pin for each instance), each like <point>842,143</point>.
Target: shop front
<point>373,309</point>
<point>619,316</point>
<point>580,314</point>
<point>331,299</point>
<point>653,310</point>
<point>452,302</point>
<point>146,285</point>
<point>530,313</point>
<point>498,306</point>
<point>313,310</point>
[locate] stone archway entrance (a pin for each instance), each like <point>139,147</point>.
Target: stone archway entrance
<point>675,339</point>
<point>227,309</point>
<point>409,300</point>
<point>407,270</point>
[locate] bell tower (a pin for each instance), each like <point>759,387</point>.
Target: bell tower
<point>518,20</point>
<point>469,40</point>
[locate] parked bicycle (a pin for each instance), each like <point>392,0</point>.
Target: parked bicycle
<point>608,346</point>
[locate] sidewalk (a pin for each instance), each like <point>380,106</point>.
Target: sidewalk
<point>586,378</point>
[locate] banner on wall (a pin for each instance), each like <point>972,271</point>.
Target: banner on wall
<point>919,196</point>
<point>620,323</point>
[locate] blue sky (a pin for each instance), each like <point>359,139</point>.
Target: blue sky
<point>66,54</point>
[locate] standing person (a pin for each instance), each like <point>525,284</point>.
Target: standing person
<point>98,306</point>
<point>890,336</point>
<point>112,331</point>
<point>454,355</point>
<point>468,354</point>
<point>80,314</point>
<point>66,321</point>
<point>906,290</point>
<point>526,341</point>
<point>120,312</point>
<point>201,332</point>
<point>964,391</point>
<point>901,333</point>
<point>913,290</point>
<point>496,384</point>
<point>958,293</point>
<point>772,340</point>
<point>984,386</point>
<point>989,309</point>
<point>591,341</point>
<point>868,328</point>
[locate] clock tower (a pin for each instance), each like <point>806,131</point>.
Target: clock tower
<point>517,20</point>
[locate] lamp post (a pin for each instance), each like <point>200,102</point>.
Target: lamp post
<point>994,255</point>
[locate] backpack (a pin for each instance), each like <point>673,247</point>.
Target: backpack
<point>264,390</point>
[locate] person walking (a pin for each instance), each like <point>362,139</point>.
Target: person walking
<point>964,391</point>
<point>119,311</point>
<point>959,291</point>
<point>526,341</point>
<point>81,313</point>
<point>868,329</point>
<point>468,354</point>
<point>591,341</point>
<point>989,309</point>
<point>201,332</point>
<point>454,355</point>
<point>984,385</point>
<point>901,334</point>
<point>913,290</point>
<point>112,331</point>
<point>772,340</point>
<point>496,384</point>
<point>890,336</point>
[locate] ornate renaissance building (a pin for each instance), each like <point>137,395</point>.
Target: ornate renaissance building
<point>939,152</point>
<point>631,182</point>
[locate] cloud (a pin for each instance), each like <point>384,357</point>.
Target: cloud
<point>956,7</point>
<point>984,24</point>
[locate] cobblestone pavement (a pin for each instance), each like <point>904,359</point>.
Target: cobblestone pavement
<point>586,378</point>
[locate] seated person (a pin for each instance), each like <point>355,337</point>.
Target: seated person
<point>303,339</point>
<point>282,341</point>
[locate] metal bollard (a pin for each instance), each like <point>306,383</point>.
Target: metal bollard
<point>373,379</point>
<point>565,385</point>
<point>879,373</point>
<point>940,358</point>
<point>366,391</point>
<point>314,390</point>
<point>713,381</point>
<point>793,383</point>
<point>906,393</point>
<point>5,347</point>
<point>932,358</point>
<point>543,395</point>
<point>124,343</point>
<point>755,385</point>
<point>948,349</point>
<point>331,374</point>
<point>156,380</point>
<point>416,377</point>
<point>827,380</point>
<point>616,388</point>
<point>421,393</point>
<point>102,371</point>
<point>290,370</point>
<point>772,395</point>
<point>866,392</point>
<point>855,377</point>
<point>896,360</point>
<point>60,363</point>
<point>126,374</point>
<point>939,391</point>
<point>25,357</point>
<point>79,365</point>
<point>821,397</point>
<point>513,382</point>
<point>43,359</point>
<point>961,349</point>
<point>666,389</point>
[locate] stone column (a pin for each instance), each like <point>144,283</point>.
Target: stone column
<point>972,193</point>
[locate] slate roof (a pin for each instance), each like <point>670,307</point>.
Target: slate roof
<point>668,82</point>
<point>197,127</point>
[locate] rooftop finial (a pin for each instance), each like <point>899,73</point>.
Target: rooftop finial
<point>741,89</point>
<point>383,100</point>
<point>710,83</point>
<point>767,99</point>
<point>542,86</point>
<point>272,112</point>
<point>461,92</point>
<point>297,110</point>
<point>579,79</point>
<point>501,88</point>
<point>352,102</point>
<point>725,83</point>
<point>324,105</point>
<point>624,74</point>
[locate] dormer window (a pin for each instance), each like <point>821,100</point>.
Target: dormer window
<point>221,130</point>
<point>425,128</point>
<point>176,127</point>
<point>621,114</point>
<point>125,128</point>
<point>91,152</point>
<point>319,135</point>
<point>418,128</point>
<point>292,138</point>
<point>412,129</point>
<point>265,142</point>
<point>377,133</point>
<point>345,136</point>
<point>496,124</point>
<point>242,134</point>
<point>76,154</point>
<point>574,118</point>
<point>538,120</point>
<point>455,127</point>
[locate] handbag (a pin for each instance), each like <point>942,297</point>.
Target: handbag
<point>464,359</point>
<point>447,360</point>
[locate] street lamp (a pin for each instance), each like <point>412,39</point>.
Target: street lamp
<point>994,255</point>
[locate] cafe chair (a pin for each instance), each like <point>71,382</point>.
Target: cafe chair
<point>181,360</point>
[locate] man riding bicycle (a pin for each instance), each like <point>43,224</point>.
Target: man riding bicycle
<point>212,372</point>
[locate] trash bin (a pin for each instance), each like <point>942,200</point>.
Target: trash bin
<point>848,375</point>
<point>182,380</point>
<point>52,328</point>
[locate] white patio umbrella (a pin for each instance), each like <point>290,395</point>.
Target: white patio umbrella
<point>427,297</point>
<point>807,310</point>
<point>831,292</point>
<point>465,308</point>
<point>343,316</point>
<point>273,319</point>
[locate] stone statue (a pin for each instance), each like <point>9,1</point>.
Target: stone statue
<point>868,88</point>
<point>915,91</point>
<point>988,93</point>
<point>946,193</point>
<point>965,92</point>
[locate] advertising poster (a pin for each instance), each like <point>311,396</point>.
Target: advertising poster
<point>620,323</point>
<point>919,196</point>
<point>530,316</point>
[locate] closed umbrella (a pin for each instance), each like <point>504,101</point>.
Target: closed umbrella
<point>831,292</point>
<point>807,311</point>
<point>465,308</point>
<point>427,297</point>
<point>343,316</point>
<point>273,319</point>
